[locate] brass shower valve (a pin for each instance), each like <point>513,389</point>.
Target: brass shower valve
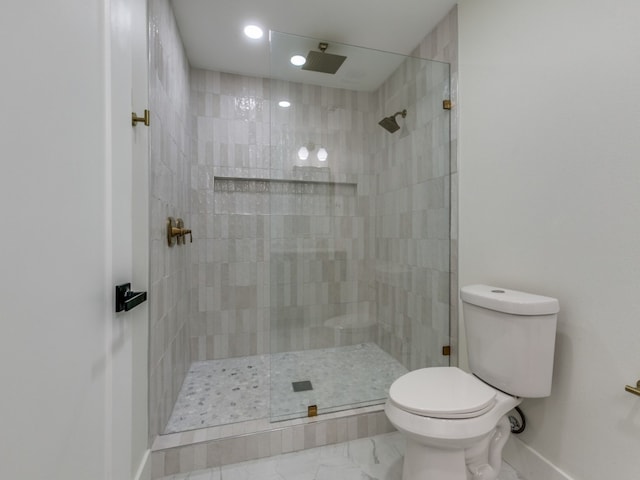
<point>181,233</point>
<point>176,232</point>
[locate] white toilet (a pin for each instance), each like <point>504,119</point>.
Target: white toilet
<point>455,423</point>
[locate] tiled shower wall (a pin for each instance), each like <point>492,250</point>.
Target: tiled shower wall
<point>170,144</point>
<point>319,268</point>
<point>266,218</point>
<point>230,270</point>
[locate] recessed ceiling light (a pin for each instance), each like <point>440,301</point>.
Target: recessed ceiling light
<point>253,31</point>
<point>284,103</point>
<point>298,60</point>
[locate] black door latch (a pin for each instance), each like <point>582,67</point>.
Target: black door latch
<point>126,299</point>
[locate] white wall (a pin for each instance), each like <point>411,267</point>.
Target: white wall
<point>63,415</point>
<point>53,284</point>
<point>550,203</point>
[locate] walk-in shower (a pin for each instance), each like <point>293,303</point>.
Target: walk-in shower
<point>316,279</point>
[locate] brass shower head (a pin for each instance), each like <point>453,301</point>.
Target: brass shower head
<point>390,124</point>
<point>322,61</point>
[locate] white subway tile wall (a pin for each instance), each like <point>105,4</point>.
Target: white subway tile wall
<point>278,254</point>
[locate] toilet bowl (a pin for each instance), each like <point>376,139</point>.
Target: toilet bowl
<point>458,433</point>
<point>455,422</point>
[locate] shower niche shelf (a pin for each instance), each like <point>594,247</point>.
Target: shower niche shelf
<point>284,186</point>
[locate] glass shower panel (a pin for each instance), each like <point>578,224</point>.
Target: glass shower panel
<point>412,218</point>
<point>359,224</point>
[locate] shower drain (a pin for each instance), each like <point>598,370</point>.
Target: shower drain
<point>302,386</point>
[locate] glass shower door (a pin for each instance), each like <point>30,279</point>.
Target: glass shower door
<point>359,225</point>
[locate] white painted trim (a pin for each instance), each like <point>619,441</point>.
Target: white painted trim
<point>144,469</point>
<point>108,243</point>
<point>529,463</point>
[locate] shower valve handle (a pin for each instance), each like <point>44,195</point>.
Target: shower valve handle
<point>181,232</point>
<point>176,232</point>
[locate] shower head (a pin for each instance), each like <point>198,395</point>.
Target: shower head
<point>323,62</point>
<point>390,124</point>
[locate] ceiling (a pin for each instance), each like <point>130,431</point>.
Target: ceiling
<point>212,33</point>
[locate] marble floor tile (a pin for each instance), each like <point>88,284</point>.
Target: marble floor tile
<point>373,458</point>
<point>232,390</point>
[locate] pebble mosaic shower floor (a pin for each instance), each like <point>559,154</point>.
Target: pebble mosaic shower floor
<point>219,392</point>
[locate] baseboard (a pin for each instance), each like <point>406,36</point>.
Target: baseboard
<point>144,469</point>
<point>529,463</point>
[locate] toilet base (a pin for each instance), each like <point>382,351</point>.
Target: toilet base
<point>481,461</point>
<point>422,462</point>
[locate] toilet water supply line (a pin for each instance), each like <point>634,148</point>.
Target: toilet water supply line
<point>516,426</point>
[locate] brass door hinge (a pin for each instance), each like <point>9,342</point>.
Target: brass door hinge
<point>312,411</point>
<point>446,350</point>
<point>635,390</point>
<point>446,104</point>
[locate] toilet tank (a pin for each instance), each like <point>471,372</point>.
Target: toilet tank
<point>510,338</point>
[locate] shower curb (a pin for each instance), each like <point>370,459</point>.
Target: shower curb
<point>196,450</point>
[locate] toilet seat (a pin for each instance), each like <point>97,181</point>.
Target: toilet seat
<point>442,392</point>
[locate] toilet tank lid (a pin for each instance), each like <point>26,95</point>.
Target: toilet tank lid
<point>509,301</point>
